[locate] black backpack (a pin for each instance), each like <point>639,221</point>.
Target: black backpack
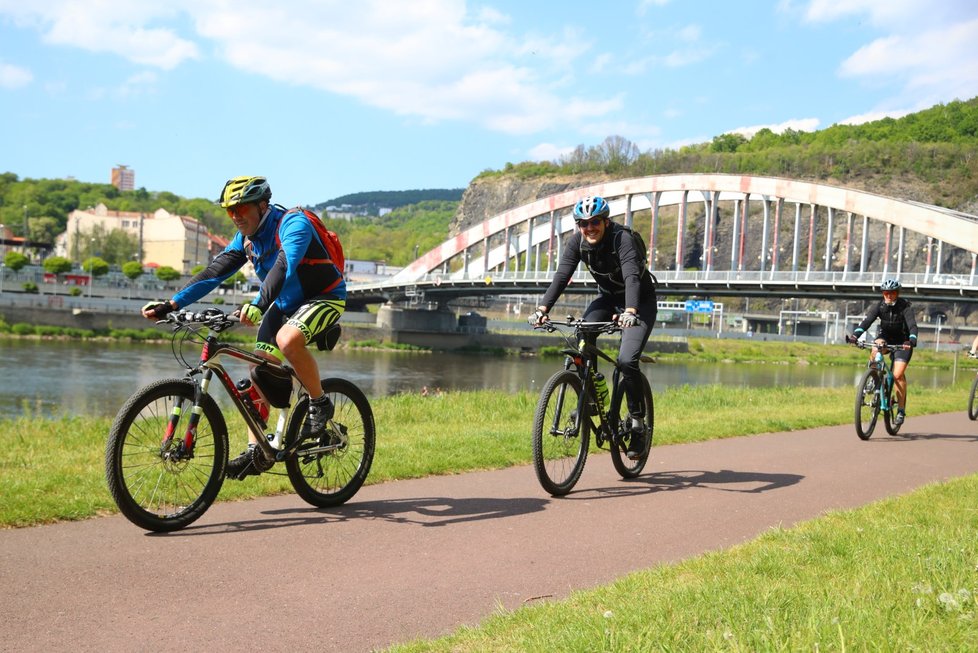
<point>640,248</point>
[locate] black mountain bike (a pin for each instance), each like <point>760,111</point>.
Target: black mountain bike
<point>167,452</point>
<point>874,394</point>
<point>570,408</point>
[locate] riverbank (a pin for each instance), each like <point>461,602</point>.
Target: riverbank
<point>705,349</point>
<point>52,469</point>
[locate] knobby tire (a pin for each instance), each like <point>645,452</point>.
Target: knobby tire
<point>973,400</point>
<point>560,437</point>
<point>867,404</point>
<point>154,491</point>
<point>623,465</point>
<point>331,478</point>
<point>889,414</point>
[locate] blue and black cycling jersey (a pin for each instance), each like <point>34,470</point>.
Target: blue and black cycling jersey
<point>290,273</point>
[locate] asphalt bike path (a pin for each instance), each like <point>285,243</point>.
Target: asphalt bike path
<point>418,558</point>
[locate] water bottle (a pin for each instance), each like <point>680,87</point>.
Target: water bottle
<point>601,390</point>
<point>250,393</point>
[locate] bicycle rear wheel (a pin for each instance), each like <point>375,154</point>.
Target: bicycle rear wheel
<point>973,400</point>
<point>560,435</point>
<point>623,465</point>
<point>867,404</point>
<point>157,483</point>
<point>332,477</point>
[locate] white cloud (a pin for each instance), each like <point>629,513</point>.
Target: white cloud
<point>796,124</point>
<point>429,59</point>
<point>927,48</point>
<point>12,76</point>
<point>937,63</point>
<point>644,5</point>
<point>549,152</point>
<point>105,26</point>
<point>874,115</point>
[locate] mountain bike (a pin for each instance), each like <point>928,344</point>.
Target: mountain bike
<point>874,394</point>
<point>571,407</point>
<point>167,451</point>
<point>973,397</point>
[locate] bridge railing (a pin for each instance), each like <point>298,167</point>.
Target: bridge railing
<point>714,277</point>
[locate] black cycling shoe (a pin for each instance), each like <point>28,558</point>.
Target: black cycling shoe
<point>636,443</point>
<point>243,465</point>
<point>320,412</point>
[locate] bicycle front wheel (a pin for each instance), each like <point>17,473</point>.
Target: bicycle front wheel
<point>327,471</point>
<point>560,435</point>
<point>889,415</point>
<point>973,400</point>
<point>157,481</point>
<point>625,466</point>
<point>867,404</point>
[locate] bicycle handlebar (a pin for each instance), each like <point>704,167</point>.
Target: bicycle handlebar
<point>213,318</point>
<point>862,344</point>
<point>591,327</point>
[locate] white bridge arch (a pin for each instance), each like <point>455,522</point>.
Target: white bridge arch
<point>783,236</point>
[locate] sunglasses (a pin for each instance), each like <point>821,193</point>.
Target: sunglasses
<point>593,222</point>
<point>238,210</point>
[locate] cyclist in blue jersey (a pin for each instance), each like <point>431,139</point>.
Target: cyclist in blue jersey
<point>302,293</point>
<point>898,326</point>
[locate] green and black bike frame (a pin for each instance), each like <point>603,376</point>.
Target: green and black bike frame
<point>584,360</point>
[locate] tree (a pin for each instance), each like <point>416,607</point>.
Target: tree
<point>166,273</point>
<point>727,142</point>
<point>132,269</point>
<point>43,229</point>
<point>95,266</point>
<point>56,265</point>
<point>15,260</point>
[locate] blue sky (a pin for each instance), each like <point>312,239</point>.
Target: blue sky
<point>332,97</point>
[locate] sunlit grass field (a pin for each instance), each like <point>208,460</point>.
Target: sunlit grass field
<point>901,574</point>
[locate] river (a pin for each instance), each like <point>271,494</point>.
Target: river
<point>95,378</point>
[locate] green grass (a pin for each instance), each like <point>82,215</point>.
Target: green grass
<point>897,575</point>
<point>52,469</point>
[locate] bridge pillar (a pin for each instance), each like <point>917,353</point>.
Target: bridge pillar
<point>398,318</point>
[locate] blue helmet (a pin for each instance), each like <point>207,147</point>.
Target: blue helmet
<point>890,284</point>
<point>591,207</point>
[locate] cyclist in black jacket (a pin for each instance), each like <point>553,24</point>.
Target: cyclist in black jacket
<point>897,326</point>
<point>626,289</point>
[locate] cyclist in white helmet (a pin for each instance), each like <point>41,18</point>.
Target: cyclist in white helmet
<point>898,326</point>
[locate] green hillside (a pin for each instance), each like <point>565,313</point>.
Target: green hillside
<point>932,154</point>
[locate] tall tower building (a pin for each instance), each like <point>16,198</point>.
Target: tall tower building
<point>123,178</point>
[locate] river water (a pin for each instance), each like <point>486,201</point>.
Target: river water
<point>89,378</point>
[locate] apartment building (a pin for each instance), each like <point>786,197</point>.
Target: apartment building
<point>177,241</point>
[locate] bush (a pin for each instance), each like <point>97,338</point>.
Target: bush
<point>75,292</point>
<point>218,301</point>
<point>30,288</point>
<point>22,329</point>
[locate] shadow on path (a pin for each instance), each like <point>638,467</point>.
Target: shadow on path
<point>724,480</point>
<point>423,511</point>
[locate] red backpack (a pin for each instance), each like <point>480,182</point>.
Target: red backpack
<point>329,239</point>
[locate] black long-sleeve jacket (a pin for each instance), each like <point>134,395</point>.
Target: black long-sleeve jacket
<point>615,263</point>
<point>897,322</point>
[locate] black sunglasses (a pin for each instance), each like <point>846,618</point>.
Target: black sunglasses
<point>593,222</point>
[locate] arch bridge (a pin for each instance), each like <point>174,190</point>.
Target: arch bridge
<point>714,235</point>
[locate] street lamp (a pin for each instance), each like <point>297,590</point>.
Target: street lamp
<point>91,268</point>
